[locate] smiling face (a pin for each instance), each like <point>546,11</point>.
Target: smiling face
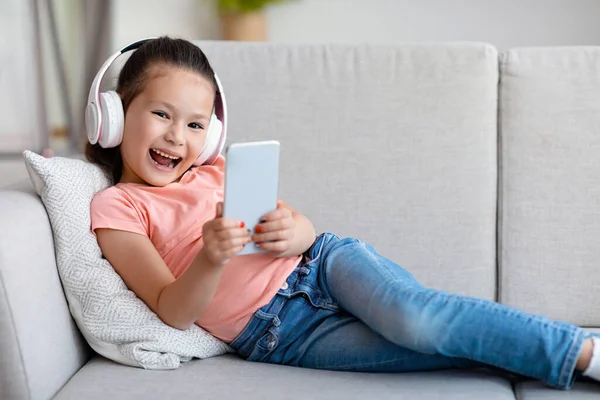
<point>166,125</point>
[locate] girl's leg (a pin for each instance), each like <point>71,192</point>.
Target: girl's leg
<point>302,326</point>
<point>392,303</point>
<point>341,342</point>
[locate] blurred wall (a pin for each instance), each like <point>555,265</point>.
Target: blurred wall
<point>504,23</point>
<point>136,19</point>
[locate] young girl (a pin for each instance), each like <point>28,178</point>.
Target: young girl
<point>315,302</point>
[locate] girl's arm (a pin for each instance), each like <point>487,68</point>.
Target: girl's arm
<point>178,302</point>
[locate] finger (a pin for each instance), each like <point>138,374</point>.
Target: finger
<point>221,224</point>
<point>230,253</point>
<point>226,234</point>
<point>232,243</point>
<point>274,236</point>
<point>277,214</point>
<point>281,203</point>
<point>275,225</point>
<point>220,251</point>
<point>275,247</point>
<point>280,213</point>
<point>219,209</point>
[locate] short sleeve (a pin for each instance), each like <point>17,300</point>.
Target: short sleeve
<point>112,209</point>
<point>220,163</point>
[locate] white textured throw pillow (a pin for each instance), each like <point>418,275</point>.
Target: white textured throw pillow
<point>115,323</point>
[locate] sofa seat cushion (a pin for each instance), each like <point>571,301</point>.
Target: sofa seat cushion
<point>228,377</point>
<point>536,391</point>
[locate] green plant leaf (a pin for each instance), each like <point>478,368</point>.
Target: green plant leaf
<point>245,6</point>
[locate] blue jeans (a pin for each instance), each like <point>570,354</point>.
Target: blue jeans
<point>347,308</point>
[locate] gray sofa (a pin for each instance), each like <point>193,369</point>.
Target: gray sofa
<point>477,171</point>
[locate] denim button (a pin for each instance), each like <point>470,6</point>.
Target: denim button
<point>285,286</point>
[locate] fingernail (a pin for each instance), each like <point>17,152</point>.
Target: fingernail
<point>242,224</point>
<point>258,229</point>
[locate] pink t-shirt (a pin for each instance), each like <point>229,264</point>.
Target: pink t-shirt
<point>172,217</point>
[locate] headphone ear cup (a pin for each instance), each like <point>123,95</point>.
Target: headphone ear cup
<point>111,109</point>
<point>91,123</point>
<point>215,128</point>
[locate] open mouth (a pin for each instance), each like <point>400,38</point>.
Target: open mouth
<point>164,159</point>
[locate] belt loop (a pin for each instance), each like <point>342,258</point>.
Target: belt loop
<point>304,270</point>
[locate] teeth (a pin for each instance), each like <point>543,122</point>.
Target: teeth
<point>170,165</point>
<point>165,154</point>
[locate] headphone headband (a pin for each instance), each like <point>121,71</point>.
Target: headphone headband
<point>221,114</point>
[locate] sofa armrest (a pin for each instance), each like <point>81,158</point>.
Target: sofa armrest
<point>41,346</point>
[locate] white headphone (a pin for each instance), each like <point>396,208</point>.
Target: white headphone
<point>104,116</point>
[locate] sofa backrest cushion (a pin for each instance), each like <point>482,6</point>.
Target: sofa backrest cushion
<point>550,182</point>
<point>395,145</point>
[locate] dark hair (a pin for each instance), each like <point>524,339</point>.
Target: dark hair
<point>132,80</point>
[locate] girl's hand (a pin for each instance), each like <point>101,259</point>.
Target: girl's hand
<point>276,231</point>
<point>223,238</point>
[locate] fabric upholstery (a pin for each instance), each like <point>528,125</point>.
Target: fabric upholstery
<point>40,346</point>
<point>424,117</point>
<point>550,185</point>
<point>227,377</point>
<point>394,145</point>
<point>536,391</point>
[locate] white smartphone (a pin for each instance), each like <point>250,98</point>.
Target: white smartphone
<point>251,184</point>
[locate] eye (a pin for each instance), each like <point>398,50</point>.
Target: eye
<point>160,114</point>
<point>194,125</point>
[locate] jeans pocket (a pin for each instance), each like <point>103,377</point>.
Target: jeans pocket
<point>265,345</point>
<point>315,299</point>
<point>313,255</point>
